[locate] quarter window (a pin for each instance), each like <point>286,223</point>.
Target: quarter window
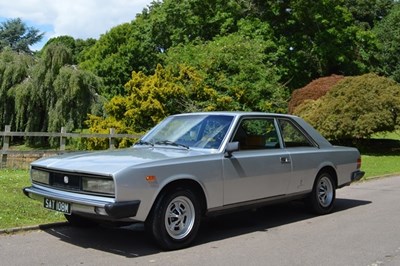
<point>292,136</point>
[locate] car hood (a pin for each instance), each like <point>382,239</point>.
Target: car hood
<point>111,161</point>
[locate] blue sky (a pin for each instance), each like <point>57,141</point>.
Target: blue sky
<point>77,18</point>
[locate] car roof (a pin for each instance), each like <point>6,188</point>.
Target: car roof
<point>236,113</point>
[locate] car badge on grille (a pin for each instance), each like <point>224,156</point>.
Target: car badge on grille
<point>66,179</point>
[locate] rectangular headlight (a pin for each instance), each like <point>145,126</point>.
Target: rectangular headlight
<point>104,186</point>
<point>40,176</point>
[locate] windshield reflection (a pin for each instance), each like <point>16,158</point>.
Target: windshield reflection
<point>190,131</point>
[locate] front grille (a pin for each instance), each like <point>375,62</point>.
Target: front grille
<point>66,181</point>
<point>72,181</point>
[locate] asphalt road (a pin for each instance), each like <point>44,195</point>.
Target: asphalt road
<point>364,229</point>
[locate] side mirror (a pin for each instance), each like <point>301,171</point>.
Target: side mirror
<point>230,148</point>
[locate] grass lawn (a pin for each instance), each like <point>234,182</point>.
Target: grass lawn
<point>382,155</point>
<point>16,209</point>
<point>380,165</point>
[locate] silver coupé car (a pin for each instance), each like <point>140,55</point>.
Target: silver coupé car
<point>196,164</point>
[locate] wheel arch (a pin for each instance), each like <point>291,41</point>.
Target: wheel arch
<point>185,183</point>
<point>331,170</point>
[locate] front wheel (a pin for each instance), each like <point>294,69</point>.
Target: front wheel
<point>323,195</point>
<point>175,219</point>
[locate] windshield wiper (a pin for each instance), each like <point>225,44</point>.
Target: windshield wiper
<point>142,142</point>
<point>168,142</point>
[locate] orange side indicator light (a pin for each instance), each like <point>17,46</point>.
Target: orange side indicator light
<point>151,178</point>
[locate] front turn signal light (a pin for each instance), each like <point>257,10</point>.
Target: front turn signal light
<point>151,178</point>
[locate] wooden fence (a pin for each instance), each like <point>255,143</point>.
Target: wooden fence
<point>27,156</point>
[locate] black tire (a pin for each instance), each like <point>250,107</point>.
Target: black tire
<point>79,221</point>
<point>323,195</point>
<point>175,219</point>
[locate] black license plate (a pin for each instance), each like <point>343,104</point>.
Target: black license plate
<point>57,205</point>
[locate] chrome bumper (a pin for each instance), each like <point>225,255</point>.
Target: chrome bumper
<point>87,204</point>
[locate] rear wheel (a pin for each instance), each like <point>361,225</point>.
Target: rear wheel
<point>323,195</point>
<point>175,219</point>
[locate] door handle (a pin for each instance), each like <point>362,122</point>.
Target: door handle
<point>285,160</point>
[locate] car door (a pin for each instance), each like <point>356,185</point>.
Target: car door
<point>262,168</point>
<point>306,157</point>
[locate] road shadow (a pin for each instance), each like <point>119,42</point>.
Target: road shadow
<point>133,241</point>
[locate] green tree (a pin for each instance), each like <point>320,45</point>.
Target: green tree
<point>238,69</point>
<point>141,44</point>
<point>56,93</point>
<point>369,12</point>
<point>148,100</point>
<point>78,46</point>
<point>36,95</point>
<point>229,73</point>
<point>355,108</point>
<point>388,54</point>
<point>76,97</point>
<point>14,69</point>
<point>320,38</point>
<point>310,38</point>
<point>112,58</point>
<point>16,35</point>
<point>179,22</point>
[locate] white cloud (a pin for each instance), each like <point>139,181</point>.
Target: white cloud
<point>76,18</point>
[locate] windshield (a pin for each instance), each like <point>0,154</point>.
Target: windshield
<point>190,131</point>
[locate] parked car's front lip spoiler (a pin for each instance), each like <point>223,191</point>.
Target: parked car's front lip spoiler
<point>112,209</point>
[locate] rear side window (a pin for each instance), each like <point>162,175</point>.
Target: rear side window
<point>292,135</point>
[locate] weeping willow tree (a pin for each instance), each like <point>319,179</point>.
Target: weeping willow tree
<point>36,95</point>
<point>55,94</point>
<point>76,97</point>
<point>14,68</point>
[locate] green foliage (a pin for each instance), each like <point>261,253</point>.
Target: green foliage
<point>77,46</point>
<point>229,73</point>
<point>180,22</point>
<point>67,41</point>
<point>116,54</point>
<point>307,39</point>
<point>75,94</point>
<point>217,55</point>
<point>368,12</point>
<point>320,38</point>
<point>388,54</point>
<point>16,35</point>
<point>36,95</point>
<point>54,94</point>
<point>238,71</point>
<point>14,68</point>
<point>137,46</point>
<point>355,108</point>
<point>148,100</point>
